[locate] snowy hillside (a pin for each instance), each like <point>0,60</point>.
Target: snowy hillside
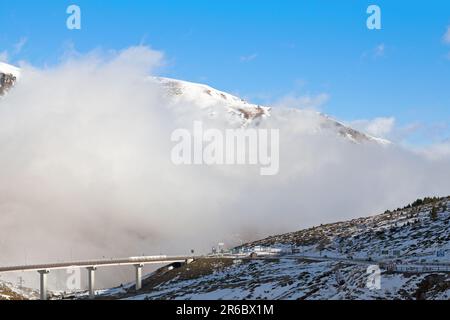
<point>214,102</point>
<point>416,231</point>
<point>9,291</point>
<point>410,245</point>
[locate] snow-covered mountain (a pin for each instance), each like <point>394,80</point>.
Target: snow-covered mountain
<point>213,100</point>
<point>215,103</point>
<point>9,69</point>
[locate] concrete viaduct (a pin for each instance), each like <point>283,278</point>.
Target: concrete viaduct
<point>92,265</point>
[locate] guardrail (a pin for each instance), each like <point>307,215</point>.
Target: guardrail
<point>420,269</point>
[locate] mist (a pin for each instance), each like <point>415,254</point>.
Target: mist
<point>86,170</point>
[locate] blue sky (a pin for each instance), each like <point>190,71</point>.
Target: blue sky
<point>265,50</point>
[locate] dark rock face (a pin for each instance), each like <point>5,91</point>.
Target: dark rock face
<point>6,82</point>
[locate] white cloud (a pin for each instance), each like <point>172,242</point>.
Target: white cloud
<point>380,50</point>
<point>446,37</point>
<point>249,57</point>
<point>437,151</point>
<point>378,127</point>
<point>20,44</point>
<point>410,135</point>
<point>302,101</point>
<point>4,56</point>
<point>17,48</point>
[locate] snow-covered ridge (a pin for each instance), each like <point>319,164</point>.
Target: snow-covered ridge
<point>214,102</point>
<point>9,69</point>
<point>209,98</point>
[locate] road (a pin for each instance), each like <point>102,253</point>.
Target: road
<point>99,263</point>
<point>401,268</point>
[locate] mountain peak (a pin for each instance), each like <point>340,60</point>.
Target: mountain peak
<point>6,68</point>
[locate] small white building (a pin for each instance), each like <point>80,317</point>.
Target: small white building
<point>391,253</point>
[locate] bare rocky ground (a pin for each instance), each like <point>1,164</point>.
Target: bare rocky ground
<point>9,292</point>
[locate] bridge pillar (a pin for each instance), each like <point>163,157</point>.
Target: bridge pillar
<point>43,284</point>
<point>138,276</point>
<point>91,281</point>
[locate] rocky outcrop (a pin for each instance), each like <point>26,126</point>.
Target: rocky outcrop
<point>6,82</point>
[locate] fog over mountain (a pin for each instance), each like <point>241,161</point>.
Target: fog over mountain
<point>85,167</point>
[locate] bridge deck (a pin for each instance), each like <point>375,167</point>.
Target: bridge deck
<point>99,263</point>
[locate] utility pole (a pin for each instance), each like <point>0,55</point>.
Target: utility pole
<point>20,282</point>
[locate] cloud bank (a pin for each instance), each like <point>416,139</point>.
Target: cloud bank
<point>378,127</point>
